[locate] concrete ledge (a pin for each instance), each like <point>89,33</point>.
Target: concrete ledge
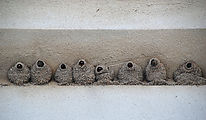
<point>103,102</point>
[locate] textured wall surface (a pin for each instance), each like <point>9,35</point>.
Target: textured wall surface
<point>102,46</point>
<point>103,103</point>
<point>109,31</point>
<point>106,14</point>
<point>102,32</point>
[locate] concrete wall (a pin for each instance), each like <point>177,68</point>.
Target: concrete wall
<point>102,46</point>
<point>102,32</point>
<point>109,31</point>
<point>106,14</point>
<point>103,103</point>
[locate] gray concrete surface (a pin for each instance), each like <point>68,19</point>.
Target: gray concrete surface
<point>103,103</point>
<point>104,14</point>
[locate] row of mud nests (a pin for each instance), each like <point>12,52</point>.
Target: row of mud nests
<point>83,73</point>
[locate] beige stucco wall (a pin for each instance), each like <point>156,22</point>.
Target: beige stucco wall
<point>102,32</point>
<point>111,47</point>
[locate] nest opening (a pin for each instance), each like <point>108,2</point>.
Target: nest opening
<point>189,65</point>
<point>154,62</point>
<point>19,66</point>
<point>63,66</point>
<point>99,69</point>
<point>129,65</point>
<point>81,63</point>
<point>40,63</point>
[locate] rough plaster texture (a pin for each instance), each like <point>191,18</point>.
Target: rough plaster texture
<point>102,14</point>
<point>111,47</point>
<point>103,103</point>
<point>122,40</point>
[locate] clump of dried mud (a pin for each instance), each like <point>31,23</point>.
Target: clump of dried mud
<point>40,73</point>
<point>103,75</point>
<point>19,74</point>
<point>189,73</point>
<point>156,72</point>
<point>83,73</point>
<point>189,79</point>
<point>130,73</point>
<point>63,75</point>
<point>189,67</point>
